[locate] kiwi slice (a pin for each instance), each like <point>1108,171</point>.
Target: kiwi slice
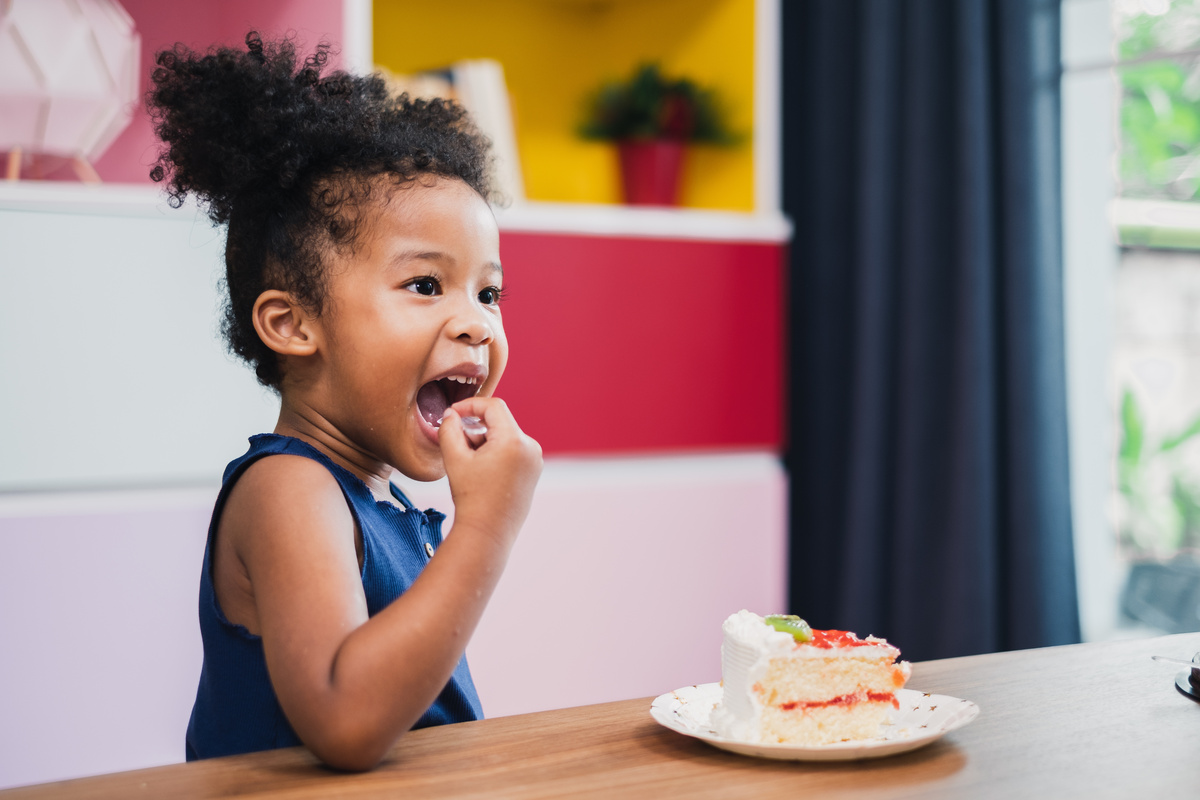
<point>790,623</point>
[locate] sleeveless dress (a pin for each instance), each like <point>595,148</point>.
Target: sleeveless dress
<point>236,710</point>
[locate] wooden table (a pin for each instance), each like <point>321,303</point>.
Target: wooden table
<point>1093,720</point>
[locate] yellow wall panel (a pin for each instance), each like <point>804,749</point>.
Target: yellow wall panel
<point>555,52</point>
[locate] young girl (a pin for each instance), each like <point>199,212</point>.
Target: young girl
<point>364,280</point>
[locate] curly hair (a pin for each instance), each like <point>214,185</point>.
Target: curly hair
<point>287,159</point>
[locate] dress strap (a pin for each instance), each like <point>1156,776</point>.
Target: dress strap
<point>399,495</point>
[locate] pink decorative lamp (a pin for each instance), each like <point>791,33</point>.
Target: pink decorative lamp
<point>68,80</point>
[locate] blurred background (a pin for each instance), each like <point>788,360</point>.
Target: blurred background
<point>881,312</point>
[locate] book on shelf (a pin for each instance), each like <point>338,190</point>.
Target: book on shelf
<point>479,86</point>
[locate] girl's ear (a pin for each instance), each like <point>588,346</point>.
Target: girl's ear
<point>283,325</point>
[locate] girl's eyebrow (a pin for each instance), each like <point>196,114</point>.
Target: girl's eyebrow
<point>419,255</point>
<point>437,255</point>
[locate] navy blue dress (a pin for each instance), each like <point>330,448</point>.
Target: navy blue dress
<point>236,710</point>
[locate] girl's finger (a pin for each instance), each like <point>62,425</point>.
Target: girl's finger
<point>451,437</point>
<point>492,410</point>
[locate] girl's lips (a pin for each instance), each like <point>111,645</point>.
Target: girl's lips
<point>468,371</point>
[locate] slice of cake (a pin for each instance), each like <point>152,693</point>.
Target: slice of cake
<point>784,682</point>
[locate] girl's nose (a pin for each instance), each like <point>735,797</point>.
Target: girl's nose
<point>473,326</point>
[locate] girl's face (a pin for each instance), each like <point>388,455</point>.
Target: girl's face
<point>413,323</point>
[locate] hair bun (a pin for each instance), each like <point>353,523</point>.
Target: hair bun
<point>236,121</point>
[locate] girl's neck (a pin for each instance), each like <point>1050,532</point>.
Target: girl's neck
<point>308,425</point>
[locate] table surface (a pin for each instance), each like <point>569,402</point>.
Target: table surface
<point>1090,720</point>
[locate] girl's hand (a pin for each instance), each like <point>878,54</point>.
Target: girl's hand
<point>492,484</point>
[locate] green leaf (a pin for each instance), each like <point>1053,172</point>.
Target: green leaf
<point>651,106</point>
<point>1132,429</point>
<point>1174,441</point>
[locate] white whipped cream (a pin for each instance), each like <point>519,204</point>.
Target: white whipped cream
<point>747,649</point>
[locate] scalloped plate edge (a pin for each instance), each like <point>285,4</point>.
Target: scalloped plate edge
<point>670,711</point>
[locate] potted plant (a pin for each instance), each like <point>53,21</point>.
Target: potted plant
<point>1158,523</point>
<point>652,118</point>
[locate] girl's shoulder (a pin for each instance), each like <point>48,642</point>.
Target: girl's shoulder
<point>286,489</point>
<point>289,474</point>
<point>282,466</point>
<point>302,462</point>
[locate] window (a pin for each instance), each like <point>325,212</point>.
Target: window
<point>1132,270</point>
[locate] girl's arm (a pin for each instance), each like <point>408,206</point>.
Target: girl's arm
<point>352,685</point>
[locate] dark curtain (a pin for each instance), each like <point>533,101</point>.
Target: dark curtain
<point>928,436</point>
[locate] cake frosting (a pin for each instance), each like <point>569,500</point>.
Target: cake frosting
<point>832,687</point>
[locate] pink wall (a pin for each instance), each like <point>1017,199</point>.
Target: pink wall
<point>622,576</point>
<point>200,25</point>
<point>100,640</point>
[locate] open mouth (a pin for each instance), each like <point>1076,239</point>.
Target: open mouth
<point>436,396</point>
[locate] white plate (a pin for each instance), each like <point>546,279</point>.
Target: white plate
<point>921,719</point>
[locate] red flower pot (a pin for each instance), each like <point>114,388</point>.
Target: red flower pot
<point>650,171</point>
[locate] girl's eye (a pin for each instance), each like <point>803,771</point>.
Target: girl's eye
<point>424,286</point>
<point>490,296</point>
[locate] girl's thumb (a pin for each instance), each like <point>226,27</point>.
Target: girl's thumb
<point>451,438</point>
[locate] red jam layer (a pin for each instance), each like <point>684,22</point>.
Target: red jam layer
<point>831,639</point>
<point>844,700</point>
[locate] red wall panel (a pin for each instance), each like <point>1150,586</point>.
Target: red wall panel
<point>633,344</point>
